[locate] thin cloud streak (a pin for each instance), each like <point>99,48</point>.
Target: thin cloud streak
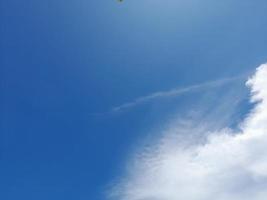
<point>174,93</point>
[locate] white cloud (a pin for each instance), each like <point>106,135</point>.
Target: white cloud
<point>229,166</point>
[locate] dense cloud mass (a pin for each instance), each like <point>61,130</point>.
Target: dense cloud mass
<point>228,165</point>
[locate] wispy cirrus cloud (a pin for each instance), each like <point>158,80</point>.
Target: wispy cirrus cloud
<point>229,165</point>
<point>174,93</point>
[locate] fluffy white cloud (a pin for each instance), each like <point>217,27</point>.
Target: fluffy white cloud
<point>228,166</point>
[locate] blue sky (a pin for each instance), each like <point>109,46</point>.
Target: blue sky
<point>66,65</point>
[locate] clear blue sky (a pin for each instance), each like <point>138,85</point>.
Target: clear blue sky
<point>61,62</point>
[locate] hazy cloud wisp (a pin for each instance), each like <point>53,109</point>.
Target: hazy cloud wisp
<point>172,93</point>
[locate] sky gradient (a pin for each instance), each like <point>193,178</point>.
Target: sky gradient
<point>67,69</point>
